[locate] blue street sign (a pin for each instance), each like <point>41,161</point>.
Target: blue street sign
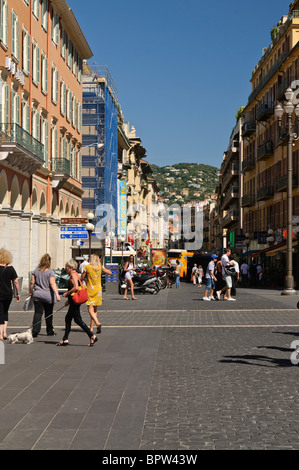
<point>73,229</point>
<point>73,236</point>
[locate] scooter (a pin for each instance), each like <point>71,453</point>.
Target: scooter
<point>143,283</point>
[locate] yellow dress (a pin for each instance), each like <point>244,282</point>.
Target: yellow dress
<point>94,285</point>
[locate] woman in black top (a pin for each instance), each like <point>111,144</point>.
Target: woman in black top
<point>7,276</point>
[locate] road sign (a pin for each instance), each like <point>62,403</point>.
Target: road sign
<point>107,242</point>
<point>73,229</point>
<point>78,236</point>
<point>73,221</point>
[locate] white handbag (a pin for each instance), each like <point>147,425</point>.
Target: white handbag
<point>28,305</point>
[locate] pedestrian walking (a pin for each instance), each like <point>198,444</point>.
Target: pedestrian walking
<point>236,277</point>
<point>200,274</point>
<point>93,275</point>
<point>220,283</point>
<point>177,274</point>
<point>244,269</point>
<point>210,279</point>
<point>8,276</point>
<point>227,277</point>
<point>44,292</point>
<point>85,263</point>
<point>73,312</point>
<point>194,274</point>
<point>129,274</point>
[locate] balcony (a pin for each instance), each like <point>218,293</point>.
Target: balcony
<point>248,201</point>
<point>265,192</point>
<point>230,218</point>
<point>248,164</point>
<point>264,112</point>
<point>266,150</point>
<point>282,88</point>
<point>248,128</point>
<point>231,173</point>
<point>19,149</point>
<point>231,195</point>
<point>282,182</point>
<point>61,169</point>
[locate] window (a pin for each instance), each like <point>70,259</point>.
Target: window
<point>62,97</point>
<point>55,84</point>
<point>26,51</point>
<point>68,105</point>
<point>79,119</point>
<point>44,74</point>
<point>15,107</point>
<point>62,146</point>
<point>35,63</point>
<point>4,22</point>
<point>25,115</point>
<point>35,123</point>
<point>55,28</point>
<point>62,43</point>
<point>35,8</point>
<point>45,8</point>
<point>69,53</point>
<point>54,144</point>
<point>44,138</point>
<point>5,103</point>
<point>14,35</point>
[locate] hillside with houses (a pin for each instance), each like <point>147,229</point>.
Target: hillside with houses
<point>183,183</point>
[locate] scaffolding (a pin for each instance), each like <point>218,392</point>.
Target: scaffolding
<point>99,120</point>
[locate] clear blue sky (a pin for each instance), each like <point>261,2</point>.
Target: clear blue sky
<point>182,69</point>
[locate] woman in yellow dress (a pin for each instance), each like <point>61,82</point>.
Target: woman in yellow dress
<point>93,275</point>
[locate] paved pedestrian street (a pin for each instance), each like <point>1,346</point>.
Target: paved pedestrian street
<point>169,372</point>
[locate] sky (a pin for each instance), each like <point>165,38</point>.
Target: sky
<point>182,69</point>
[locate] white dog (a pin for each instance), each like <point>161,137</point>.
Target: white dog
<point>25,337</point>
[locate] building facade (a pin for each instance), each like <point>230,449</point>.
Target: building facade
<point>42,49</point>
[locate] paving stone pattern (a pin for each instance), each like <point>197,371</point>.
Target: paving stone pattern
<point>168,372</point>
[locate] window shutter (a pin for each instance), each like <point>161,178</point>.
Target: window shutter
<point>13,36</point>
<point>5,35</point>
<point>28,52</point>
<point>18,101</point>
<point>46,144</point>
<point>17,38</point>
<point>6,105</point>
<point>12,106</point>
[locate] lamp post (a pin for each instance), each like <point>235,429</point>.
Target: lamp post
<point>288,108</point>
<point>122,239</point>
<point>90,228</point>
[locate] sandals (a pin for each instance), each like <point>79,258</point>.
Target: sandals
<point>99,329</point>
<point>134,298</point>
<point>93,340</point>
<point>126,298</point>
<point>63,343</point>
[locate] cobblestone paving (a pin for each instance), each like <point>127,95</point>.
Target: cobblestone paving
<point>223,389</point>
<point>169,372</point>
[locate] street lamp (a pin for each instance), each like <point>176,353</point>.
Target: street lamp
<point>90,228</point>
<point>122,239</point>
<point>288,108</point>
<point>111,235</point>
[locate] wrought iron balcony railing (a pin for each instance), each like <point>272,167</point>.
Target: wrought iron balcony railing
<point>11,133</point>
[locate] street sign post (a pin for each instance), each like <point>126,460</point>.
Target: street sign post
<point>73,221</point>
<point>74,236</point>
<point>73,229</point>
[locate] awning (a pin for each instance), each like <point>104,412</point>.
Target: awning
<point>248,253</point>
<point>280,249</point>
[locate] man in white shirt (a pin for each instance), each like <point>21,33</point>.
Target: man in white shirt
<point>85,263</point>
<point>210,279</point>
<point>228,279</point>
<point>244,270</point>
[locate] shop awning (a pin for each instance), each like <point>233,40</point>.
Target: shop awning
<point>280,249</point>
<point>249,253</point>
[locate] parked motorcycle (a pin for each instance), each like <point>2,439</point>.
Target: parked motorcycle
<point>144,282</point>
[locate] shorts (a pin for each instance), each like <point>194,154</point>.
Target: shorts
<point>210,284</point>
<point>4,306</point>
<point>229,282</point>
